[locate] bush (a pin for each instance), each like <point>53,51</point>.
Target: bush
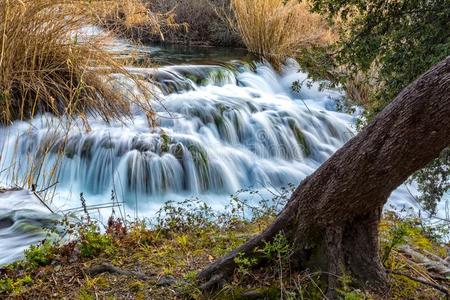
<point>45,68</point>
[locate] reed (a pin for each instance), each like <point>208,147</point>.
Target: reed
<point>46,66</point>
<point>134,19</point>
<point>276,29</point>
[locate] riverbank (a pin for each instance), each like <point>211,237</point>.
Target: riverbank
<point>137,260</point>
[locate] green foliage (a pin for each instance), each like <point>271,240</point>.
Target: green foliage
<point>397,235</point>
<point>190,214</point>
<point>277,249</point>
<point>10,286</point>
<point>244,263</point>
<point>402,39</point>
<point>194,215</point>
<point>93,243</point>
<point>347,292</point>
<point>6,286</point>
<point>385,45</point>
<point>413,231</point>
<point>165,141</point>
<point>433,181</point>
<point>40,255</point>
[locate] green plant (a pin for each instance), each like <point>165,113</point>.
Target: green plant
<point>93,243</point>
<point>244,263</point>
<point>40,255</point>
<point>397,235</point>
<point>277,249</point>
<point>165,141</point>
<point>434,181</point>
<point>187,215</point>
<point>6,286</point>
<point>383,46</point>
<point>10,286</point>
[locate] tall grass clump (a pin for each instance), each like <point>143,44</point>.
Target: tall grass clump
<point>276,29</point>
<point>47,66</point>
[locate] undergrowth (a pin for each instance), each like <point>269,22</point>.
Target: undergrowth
<point>185,236</point>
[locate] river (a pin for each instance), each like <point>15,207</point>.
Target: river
<point>224,122</point>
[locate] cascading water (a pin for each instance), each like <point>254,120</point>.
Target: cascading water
<point>221,127</point>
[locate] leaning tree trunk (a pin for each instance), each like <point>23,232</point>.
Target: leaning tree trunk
<point>335,212</point>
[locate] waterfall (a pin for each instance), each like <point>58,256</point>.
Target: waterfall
<point>222,125</point>
<point>220,128</point>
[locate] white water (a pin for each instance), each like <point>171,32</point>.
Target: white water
<point>241,129</point>
<point>220,129</point>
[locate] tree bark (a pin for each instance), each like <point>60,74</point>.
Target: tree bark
<point>337,209</point>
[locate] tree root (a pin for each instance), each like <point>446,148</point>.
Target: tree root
<point>215,273</point>
<point>109,268</point>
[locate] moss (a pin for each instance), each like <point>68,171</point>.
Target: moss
<point>299,137</point>
<point>136,286</point>
<point>86,148</point>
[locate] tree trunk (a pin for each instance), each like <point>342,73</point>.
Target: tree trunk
<point>335,212</point>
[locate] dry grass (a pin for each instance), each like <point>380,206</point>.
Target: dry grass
<point>134,19</point>
<point>276,29</point>
<point>46,67</point>
<point>206,20</point>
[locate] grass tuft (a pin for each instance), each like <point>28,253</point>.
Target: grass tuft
<point>46,66</point>
<point>276,29</point>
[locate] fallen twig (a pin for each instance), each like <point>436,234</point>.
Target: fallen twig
<point>436,286</point>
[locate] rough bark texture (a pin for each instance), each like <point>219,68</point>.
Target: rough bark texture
<point>337,209</point>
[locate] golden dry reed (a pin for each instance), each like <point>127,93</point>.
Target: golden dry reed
<point>45,66</point>
<point>276,29</point>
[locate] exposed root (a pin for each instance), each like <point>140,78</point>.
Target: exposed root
<point>222,268</point>
<point>109,268</point>
<point>216,280</point>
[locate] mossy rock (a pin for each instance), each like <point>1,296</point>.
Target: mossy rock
<point>86,148</point>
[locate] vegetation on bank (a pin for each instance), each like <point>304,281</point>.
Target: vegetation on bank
<point>277,29</point>
<point>55,69</point>
<point>160,258</point>
<point>48,65</point>
<point>272,29</point>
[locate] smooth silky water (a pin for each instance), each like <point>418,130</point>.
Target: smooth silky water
<point>221,126</point>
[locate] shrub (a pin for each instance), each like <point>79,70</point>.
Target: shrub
<point>276,29</point>
<point>45,68</point>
